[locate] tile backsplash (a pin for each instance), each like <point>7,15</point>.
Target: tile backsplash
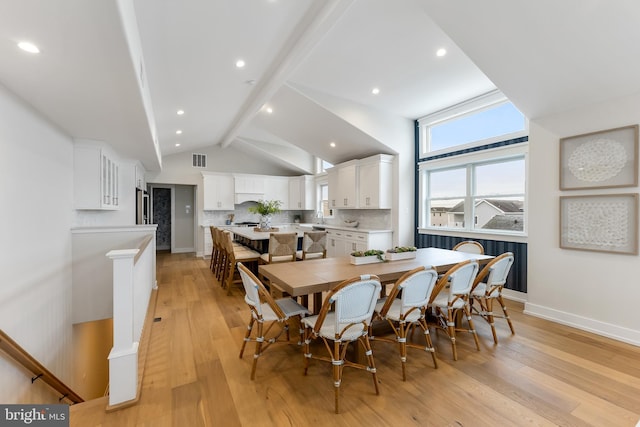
<point>372,219</point>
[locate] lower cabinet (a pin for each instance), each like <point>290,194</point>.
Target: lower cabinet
<point>343,242</point>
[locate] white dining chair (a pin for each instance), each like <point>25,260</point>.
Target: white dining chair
<point>353,302</point>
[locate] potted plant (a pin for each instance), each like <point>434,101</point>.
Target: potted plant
<point>266,208</point>
<point>366,257</point>
<point>400,252</point>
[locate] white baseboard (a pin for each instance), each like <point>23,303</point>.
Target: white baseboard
<point>182,250</point>
<point>608,330</point>
<point>514,295</point>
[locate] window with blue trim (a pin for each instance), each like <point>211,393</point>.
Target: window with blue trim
<point>473,168</point>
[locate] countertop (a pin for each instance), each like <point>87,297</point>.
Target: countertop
<point>311,226</point>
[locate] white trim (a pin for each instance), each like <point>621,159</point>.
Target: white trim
<point>480,156</point>
<point>116,229</point>
<point>482,101</point>
<point>475,234</point>
<point>182,250</point>
<point>512,295</point>
<point>609,330</point>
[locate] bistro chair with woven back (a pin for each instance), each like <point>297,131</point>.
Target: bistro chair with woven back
<point>353,302</point>
<point>487,288</point>
<point>266,312</point>
<point>405,309</point>
<point>470,246</point>
<point>451,294</point>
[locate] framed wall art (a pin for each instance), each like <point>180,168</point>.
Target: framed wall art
<point>604,223</point>
<point>602,159</point>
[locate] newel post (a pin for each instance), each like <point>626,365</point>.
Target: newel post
<point>123,358</point>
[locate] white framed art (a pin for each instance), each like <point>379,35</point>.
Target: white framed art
<point>603,159</point>
<point>604,223</point>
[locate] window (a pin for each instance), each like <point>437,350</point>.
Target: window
<point>472,176</point>
<point>488,118</point>
<point>482,196</point>
<point>324,201</point>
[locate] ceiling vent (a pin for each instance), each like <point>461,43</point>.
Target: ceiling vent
<point>199,160</point>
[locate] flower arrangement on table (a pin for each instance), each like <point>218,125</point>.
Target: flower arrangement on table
<point>265,208</point>
<point>400,252</point>
<point>367,257</point>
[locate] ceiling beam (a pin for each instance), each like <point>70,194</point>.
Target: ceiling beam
<point>316,23</point>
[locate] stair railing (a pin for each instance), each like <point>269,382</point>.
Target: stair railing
<point>20,355</point>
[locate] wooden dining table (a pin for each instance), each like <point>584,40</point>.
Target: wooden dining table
<point>312,277</point>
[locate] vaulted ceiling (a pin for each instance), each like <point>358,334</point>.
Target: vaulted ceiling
<point>119,70</point>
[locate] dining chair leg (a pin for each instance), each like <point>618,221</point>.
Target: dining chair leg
<point>489,314</point>
<point>306,349</point>
<point>451,331</point>
<point>337,364</point>
<point>472,328</point>
<point>506,314</point>
<point>427,337</point>
<point>402,343</point>
<point>371,365</point>
<point>247,336</point>
<point>259,341</point>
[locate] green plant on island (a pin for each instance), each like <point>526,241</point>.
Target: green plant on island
<point>266,207</point>
<point>369,252</point>
<point>400,249</point>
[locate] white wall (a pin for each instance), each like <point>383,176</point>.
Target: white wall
<point>177,169</point>
<point>36,183</point>
<point>184,220</point>
<point>591,290</point>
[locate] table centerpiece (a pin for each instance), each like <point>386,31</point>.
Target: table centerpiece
<point>366,257</point>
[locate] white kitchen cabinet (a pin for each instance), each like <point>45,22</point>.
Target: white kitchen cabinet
<point>218,192</point>
<point>302,193</point>
<point>343,185</point>
<point>96,176</point>
<point>277,188</point>
<point>249,184</point>
<point>375,182</point>
<point>343,242</point>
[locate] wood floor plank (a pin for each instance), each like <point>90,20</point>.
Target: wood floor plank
<point>544,375</point>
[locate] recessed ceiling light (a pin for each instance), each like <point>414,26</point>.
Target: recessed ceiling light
<point>240,63</point>
<point>178,132</point>
<point>332,144</point>
<point>28,47</point>
<point>375,91</point>
<point>441,52</point>
<point>269,110</point>
<point>180,112</point>
<point>177,144</point>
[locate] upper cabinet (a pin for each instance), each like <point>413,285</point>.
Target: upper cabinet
<point>362,184</point>
<point>302,194</point>
<point>218,191</point>
<point>343,185</point>
<point>375,179</point>
<point>96,176</point>
<point>277,188</point>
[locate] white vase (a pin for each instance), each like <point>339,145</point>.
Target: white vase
<point>265,222</point>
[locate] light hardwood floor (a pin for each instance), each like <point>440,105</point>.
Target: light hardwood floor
<point>545,375</point>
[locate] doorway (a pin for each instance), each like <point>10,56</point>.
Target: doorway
<point>173,210</point>
<point>162,217</point>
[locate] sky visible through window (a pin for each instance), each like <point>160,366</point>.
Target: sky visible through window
<point>500,120</point>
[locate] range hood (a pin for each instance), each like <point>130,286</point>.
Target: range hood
<point>248,197</point>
